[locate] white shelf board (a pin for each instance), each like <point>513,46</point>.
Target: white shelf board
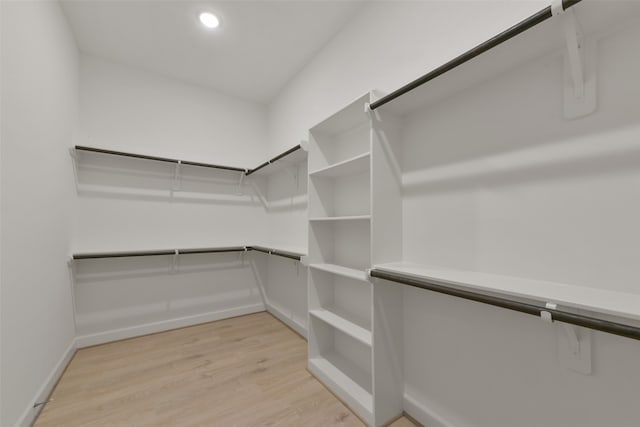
<point>351,273</point>
<point>356,397</point>
<point>547,38</point>
<point>355,331</point>
<point>614,303</point>
<point>342,218</point>
<point>352,166</point>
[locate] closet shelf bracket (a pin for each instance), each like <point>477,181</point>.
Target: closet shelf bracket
<point>573,343</point>
<point>174,261</point>
<point>176,177</point>
<point>242,175</point>
<point>579,65</point>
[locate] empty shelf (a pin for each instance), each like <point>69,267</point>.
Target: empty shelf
<point>351,273</point>
<point>355,331</point>
<point>609,302</point>
<point>342,218</point>
<point>352,166</point>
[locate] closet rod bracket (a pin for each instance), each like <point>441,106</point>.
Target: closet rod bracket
<point>579,65</point>
<point>573,343</point>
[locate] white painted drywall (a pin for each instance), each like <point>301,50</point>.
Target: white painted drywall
<point>521,191</point>
<point>467,364</point>
<point>128,204</point>
<point>132,204</point>
<point>385,46</point>
<point>285,280</point>
<point>39,118</point>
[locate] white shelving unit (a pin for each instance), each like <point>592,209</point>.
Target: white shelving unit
<point>349,349</point>
<point>340,296</point>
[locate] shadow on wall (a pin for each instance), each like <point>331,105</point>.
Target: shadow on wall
<point>109,176</point>
<point>112,293</point>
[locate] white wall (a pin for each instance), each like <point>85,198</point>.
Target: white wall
<point>133,204</point>
<point>521,191</point>
<point>39,115</point>
<point>385,46</point>
<point>286,280</point>
<point>467,364</point>
<point>128,204</point>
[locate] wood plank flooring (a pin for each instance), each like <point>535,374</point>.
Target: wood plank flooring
<point>246,371</point>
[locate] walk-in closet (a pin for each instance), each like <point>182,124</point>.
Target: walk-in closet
<point>320,213</point>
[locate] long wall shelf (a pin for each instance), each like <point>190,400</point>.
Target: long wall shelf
<point>188,251</point>
<point>534,37</point>
<point>294,154</point>
<point>470,285</point>
<point>342,218</point>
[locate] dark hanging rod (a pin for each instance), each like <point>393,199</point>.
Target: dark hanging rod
<point>278,157</point>
<point>127,254</point>
<point>186,162</point>
<point>159,159</point>
<point>508,34</point>
<point>277,252</point>
<point>534,310</point>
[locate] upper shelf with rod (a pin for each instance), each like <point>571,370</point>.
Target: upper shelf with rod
<point>532,38</point>
<point>504,292</point>
<point>293,155</point>
<point>158,252</point>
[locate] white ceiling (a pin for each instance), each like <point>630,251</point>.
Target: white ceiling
<point>258,47</point>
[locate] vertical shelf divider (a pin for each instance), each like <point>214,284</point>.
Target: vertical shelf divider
<point>386,245</point>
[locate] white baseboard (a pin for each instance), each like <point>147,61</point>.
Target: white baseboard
<point>165,325</point>
<point>31,413</point>
<point>423,414</point>
<point>287,320</point>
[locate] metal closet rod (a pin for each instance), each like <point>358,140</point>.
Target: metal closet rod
<point>284,254</point>
<point>278,157</point>
<point>186,162</point>
<point>508,34</point>
<point>128,254</point>
<point>534,310</point>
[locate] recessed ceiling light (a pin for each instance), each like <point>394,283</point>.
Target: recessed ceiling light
<point>209,20</point>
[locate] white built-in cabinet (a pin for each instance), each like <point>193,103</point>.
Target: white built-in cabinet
<point>355,332</point>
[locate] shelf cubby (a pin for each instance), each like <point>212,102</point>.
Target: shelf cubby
<point>347,195</point>
<point>343,296</point>
<point>343,364</point>
<point>341,243</point>
<point>344,136</point>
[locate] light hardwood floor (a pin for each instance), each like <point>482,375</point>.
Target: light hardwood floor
<point>246,371</point>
